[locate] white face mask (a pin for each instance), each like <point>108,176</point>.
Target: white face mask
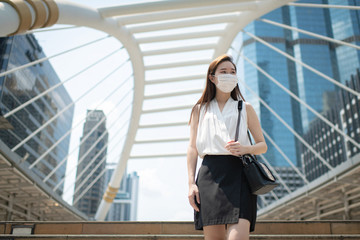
<point>226,82</point>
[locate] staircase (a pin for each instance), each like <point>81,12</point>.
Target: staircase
<point>271,230</point>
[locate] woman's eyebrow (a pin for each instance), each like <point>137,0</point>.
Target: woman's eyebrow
<point>226,69</point>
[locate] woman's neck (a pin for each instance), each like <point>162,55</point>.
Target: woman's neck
<point>222,97</point>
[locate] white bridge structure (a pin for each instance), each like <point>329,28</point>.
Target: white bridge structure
<point>164,32</point>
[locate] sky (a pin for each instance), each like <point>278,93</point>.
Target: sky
<point>163,184</point>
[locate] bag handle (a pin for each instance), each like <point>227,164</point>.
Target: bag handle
<point>240,105</point>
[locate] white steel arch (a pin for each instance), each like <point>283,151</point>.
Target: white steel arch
<point>129,24</point>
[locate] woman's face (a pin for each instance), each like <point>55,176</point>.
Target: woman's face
<point>223,68</point>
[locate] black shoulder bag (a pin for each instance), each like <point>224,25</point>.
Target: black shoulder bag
<point>260,178</point>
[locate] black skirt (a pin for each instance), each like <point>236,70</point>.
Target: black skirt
<point>224,193</point>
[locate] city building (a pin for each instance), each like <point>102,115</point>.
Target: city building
<point>307,85</point>
<point>334,60</point>
<point>90,177</point>
<point>331,145</point>
<point>49,147</point>
<point>345,26</point>
<point>124,206</point>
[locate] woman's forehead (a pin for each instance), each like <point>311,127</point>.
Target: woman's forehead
<point>225,65</point>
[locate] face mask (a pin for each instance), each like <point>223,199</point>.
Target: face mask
<point>226,82</point>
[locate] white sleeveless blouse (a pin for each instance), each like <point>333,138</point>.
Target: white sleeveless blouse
<point>217,128</point>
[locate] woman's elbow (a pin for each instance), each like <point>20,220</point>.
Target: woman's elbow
<point>265,148</point>
<point>191,149</point>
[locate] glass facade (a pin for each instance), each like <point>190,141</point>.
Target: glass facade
<point>124,206</point>
<point>275,65</point>
<point>91,163</point>
<point>21,86</point>
<point>337,62</point>
<point>346,27</point>
<point>328,142</point>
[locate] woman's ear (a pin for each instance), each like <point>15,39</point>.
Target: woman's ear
<point>212,78</point>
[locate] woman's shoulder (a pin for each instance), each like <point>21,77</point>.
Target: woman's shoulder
<point>198,108</point>
<point>245,105</point>
<point>249,109</point>
<point>248,105</point>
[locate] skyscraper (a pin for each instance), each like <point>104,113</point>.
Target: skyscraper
<point>90,175</point>
<point>323,56</point>
<point>345,26</point>
<point>124,206</point>
<point>331,145</point>
<point>46,149</point>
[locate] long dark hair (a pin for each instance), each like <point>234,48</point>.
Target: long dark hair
<point>210,88</point>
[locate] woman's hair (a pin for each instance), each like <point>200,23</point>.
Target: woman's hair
<point>210,88</point>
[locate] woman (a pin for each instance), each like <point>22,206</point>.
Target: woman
<point>224,206</point>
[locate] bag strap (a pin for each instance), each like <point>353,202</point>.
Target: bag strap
<point>238,120</point>
<point>240,105</point>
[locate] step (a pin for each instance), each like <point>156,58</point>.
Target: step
<point>157,228</point>
<point>176,237</point>
<point>272,230</point>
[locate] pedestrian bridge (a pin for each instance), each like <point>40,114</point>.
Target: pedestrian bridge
<point>168,45</point>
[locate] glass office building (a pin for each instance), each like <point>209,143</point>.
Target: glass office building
<point>345,25</point>
<point>333,146</point>
<point>277,66</point>
<point>337,62</point>
<point>124,206</point>
<point>53,111</point>
<point>90,174</point>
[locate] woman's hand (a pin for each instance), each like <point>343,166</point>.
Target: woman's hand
<point>194,194</point>
<point>237,149</point>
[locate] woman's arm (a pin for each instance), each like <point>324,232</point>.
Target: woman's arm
<point>260,146</point>
<point>192,155</point>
